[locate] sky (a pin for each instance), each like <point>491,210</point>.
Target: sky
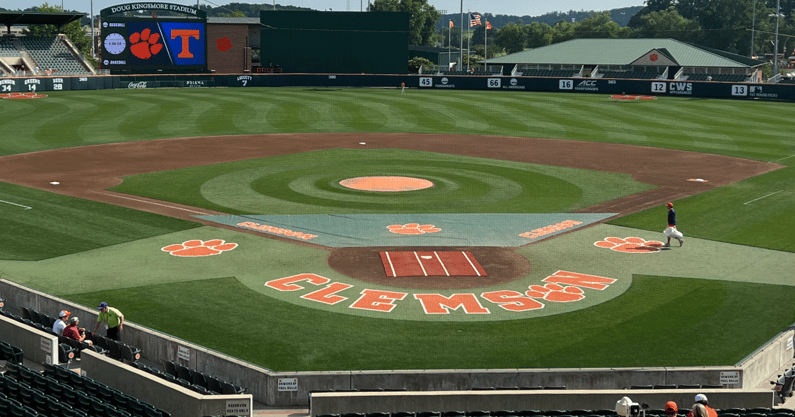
<point>508,7</point>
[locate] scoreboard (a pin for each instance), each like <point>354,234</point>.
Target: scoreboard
<point>134,43</point>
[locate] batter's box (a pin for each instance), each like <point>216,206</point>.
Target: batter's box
<point>425,264</point>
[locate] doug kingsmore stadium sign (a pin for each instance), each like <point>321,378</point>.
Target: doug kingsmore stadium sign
<point>128,7</point>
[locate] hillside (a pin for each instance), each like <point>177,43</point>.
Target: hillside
<point>620,16</point>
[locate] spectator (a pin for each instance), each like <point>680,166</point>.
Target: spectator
<point>702,406</point>
<point>671,409</point>
<point>73,332</point>
<point>60,324</point>
<point>113,318</point>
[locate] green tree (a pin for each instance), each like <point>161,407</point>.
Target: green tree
<point>599,25</point>
<point>416,62</point>
<point>455,36</point>
<point>512,37</point>
<point>724,23</point>
<point>667,23</point>
<point>479,35</point>
<point>422,24</point>
<point>539,34</point>
<point>76,33</point>
<point>562,31</point>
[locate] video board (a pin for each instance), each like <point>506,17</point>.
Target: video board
<point>162,45</point>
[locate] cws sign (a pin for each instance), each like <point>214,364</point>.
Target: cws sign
<point>134,43</point>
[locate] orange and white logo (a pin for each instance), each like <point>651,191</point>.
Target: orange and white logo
<point>630,245</point>
<point>413,229</point>
<point>197,247</point>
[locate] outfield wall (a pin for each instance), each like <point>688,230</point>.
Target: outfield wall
<point>279,389</point>
<point>695,89</point>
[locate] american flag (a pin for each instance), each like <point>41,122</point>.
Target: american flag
<point>474,19</point>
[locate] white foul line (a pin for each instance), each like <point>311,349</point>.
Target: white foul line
<point>786,157</point>
<point>441,263</point>
<point>390,264</point>
<point>153,203</point>
<point>764,196</point>
<point>15,204</point>
<point>470,263</point>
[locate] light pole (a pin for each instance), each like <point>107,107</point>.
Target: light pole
<point>753,26</point>
<point>775,53</point>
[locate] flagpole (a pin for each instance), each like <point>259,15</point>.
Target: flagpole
<point>461,39</point>
<point>469,12</point>
<point>486,46</point>
<point>449,40</point>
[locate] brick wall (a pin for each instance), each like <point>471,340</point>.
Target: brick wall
<point>227,50</point>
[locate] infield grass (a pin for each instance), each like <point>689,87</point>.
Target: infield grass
<point>308,183</point>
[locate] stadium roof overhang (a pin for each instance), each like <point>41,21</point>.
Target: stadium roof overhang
<point>38,18</point>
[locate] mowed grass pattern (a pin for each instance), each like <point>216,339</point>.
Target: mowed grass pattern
<point>749,129</point>
<point>632,330</point>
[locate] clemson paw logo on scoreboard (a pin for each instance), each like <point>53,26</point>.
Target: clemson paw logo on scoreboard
<point>145,44</point>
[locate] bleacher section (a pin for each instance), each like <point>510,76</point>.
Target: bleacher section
<point>548,73</point>
<point>192,379</point>
<point>473,72</point>
<point>51,53</point>
<point>112,348</point>
<point>641,75</point>
<point>60,392</point>
<point>731,78</point>
<point>7,48</point>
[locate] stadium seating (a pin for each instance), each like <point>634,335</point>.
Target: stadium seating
<point>10,353</point>
<point>198,381</point>
<point>548,73</point>
<point>52,53</point>
<point>717,77</point>
<point>7,48</point>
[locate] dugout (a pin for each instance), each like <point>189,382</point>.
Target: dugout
<point>335,42</point>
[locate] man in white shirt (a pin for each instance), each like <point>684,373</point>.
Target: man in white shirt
<point>60,324</point>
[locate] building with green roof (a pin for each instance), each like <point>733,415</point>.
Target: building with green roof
<point>631,58</point>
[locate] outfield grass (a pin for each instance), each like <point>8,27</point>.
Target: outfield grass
<point>653,324</point>
<point>748,129</point>
<point>658,322</point>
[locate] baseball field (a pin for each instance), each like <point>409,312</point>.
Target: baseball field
<point>225,217</point>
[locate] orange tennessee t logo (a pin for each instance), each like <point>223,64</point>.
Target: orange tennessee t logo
<point>185,34</point>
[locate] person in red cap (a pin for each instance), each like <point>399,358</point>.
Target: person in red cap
<point>60,324</point>
<point>671,409</point>
<point>670,231</point>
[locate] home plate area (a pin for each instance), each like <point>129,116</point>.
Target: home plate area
<point>424,264</point>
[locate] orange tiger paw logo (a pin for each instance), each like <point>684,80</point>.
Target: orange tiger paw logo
<point>144,44</point>
<point>413,229</point>
<point>630,245</point>
<point>557,293</point>
<point>199,248</point>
